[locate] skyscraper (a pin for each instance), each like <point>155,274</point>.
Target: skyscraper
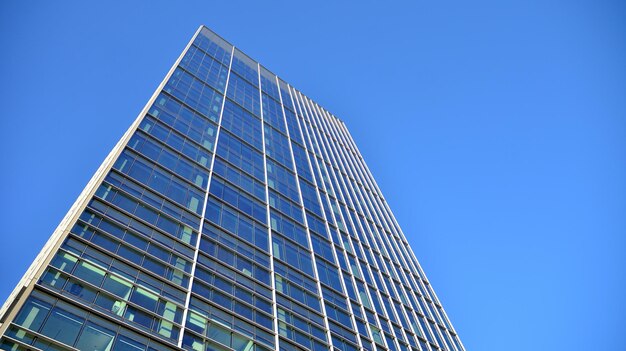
<point>235,213</point>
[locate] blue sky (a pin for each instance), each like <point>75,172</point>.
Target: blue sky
<point>496,130</point>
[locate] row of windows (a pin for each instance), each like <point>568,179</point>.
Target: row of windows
<point>322,248</point>
<point>342,330</point>
<point>214,46</point>
<point>316,225</point>
<point>153,235</point>
<point>159,180</point>
<point>160,245</point>
<point>114,265</point>
<point>241,155</point>
<point>285,206</point>
<point>282,180</point>
<point>335,295</point>
<point>338,314</point>
<point>184,121</point>
<point>243,124</point>
<point>203,316</point>
<point>210,266</point>
<point>238,199</point>
<point>239,178</point>
<point>244,93</point>
<point>302,338</point>
<point>137,304</point>
<point>234,285</point>
<point>245,67</point>
<point>273,113</point>
<point>157,260</point>
<point>328,274</point>
<point>71,326</point>
<point>341,343</point>
<point>164,157</point>
<point>231,258</point>
<point>194,93</point>
<point>124,192</point>
<point>183,232</point>
<point>287,227</point>
<point>229,219</point>
<point>203,66</point>
<point>297,292</point>
<point>117,305</point>
<point>295,276</point>
<point>277,147</point>
<point>234,306</point>
<point>244,248</point>
<point>295,256</point>
<point>268,84</point>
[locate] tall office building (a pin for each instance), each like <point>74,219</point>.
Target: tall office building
<point>234,214</point>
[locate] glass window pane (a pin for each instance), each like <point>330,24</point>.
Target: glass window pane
<point>89,273</point>
<point>54,278</point>
<point>219,334</point>
<point>95,337</point>
<point>138,316</point>
<point>117,286</point>
<point>64,261</point>
<point>126,344</point>
<point>111,304</point>
<point>80,290</point>
<point>62,326</point>
<point>32,314</point>
<point>196,322</point>
<point>145,299</point>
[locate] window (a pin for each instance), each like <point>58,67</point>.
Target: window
<point>62,326</point>
<point>95,337</point>
<point>33,314</point>
<point>89,273</point>
<point>124,343</point>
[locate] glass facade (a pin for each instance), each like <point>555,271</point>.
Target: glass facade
<point>235,214</point>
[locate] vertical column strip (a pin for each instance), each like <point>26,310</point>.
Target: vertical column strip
<point>269,220</point>
<point>206,199</point>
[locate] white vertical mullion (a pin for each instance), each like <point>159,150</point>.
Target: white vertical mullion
<point>269,220</point>
<point>206,199</point>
